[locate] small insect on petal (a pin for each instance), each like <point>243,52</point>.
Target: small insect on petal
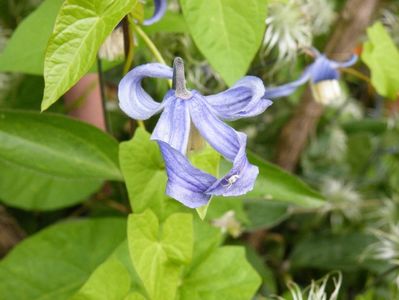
<point>231,180</point>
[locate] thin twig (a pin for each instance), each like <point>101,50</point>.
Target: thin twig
<point>151,46</point>
<point>102,93</point>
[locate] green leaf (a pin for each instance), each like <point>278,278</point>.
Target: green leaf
<point>115,279</point>
<point>224,274</point>
<point>143,169</point>
<point>144,172</point>
<point>25,51</point>
<point>171,22</point>
<point>273,183</point>
<point>365,125</point>
<point>25,93</point>
<point>159,252</point>
<point>332,252</point>
<point>269,285</point>
<point>55,263</point>
<point>265,214</point>
<point>135,296</point>
<point>234,32</point>
<point>80,29</point>
<point>222,205</point>
<point>382,57</point>
<point>206,240</point>
<point>110,281</point>
<point>360,150</point>
<point>49,161</point>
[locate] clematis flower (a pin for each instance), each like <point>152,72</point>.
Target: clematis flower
<point>184,111</point>
<point>159,12</point>
<point>323,75</point>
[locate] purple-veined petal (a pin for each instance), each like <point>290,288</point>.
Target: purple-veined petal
<point>219,135</point>
<point>186,183</point>
<point>228,142</point>
<point>345,64</point>
<point>159,11</point>
<point>133,99</point>
<point>323,69</point>
<point>173,126</point>
<point>242,176</point>
<point>244,99</point>
<point>287,89</point>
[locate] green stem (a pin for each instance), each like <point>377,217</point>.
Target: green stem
<point>102,93</point>
<point>154,50</point>
<point>151,46</point>
<point>129,49</point>
<point>128,26</point>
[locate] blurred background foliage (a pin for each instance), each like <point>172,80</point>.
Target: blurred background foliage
<point>352,158</point>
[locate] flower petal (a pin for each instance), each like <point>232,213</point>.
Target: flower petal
<point>228,142</point>
<point>323,69</point>
<point>133,100</point>
<point>244,99</point>
<point>287,89</point>
<point>173,126</point>
<point>159,11</point>
<point>240,179</point>
<point>186,183</point>
<point>345,64</point>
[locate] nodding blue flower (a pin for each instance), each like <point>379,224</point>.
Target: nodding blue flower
<point>159,12</point>
<point>185,110</point>
<point>323,75</point>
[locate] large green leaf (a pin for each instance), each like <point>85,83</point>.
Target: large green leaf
<point>331,252</point>
<point>143,169</point>
<point>216,272</point>
<point>25,50</point>
<point>110,281</point>
<point>159,253</point>
<point>206,240</point>
<point>273,183</point>
<point>56,262</point>
<point>145,176</point>
<point>269,284</point>
<point>265,214</point>
<point>49,161</point>
<point>171,22</point>
<point>228,32</point>
<point>382,57</point>
<point>224,274</point>
<point>80,28</point>
<point>374,126</point>
<point>115,279</point>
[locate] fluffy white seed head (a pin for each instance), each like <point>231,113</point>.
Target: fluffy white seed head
<point>113,47</point>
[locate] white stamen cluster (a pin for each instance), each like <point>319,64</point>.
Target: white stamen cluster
<point>342,198</point>
<point>113,47</point>
<point>316,290</point>
<point>292,24</point>
<point>337,144</point>
<point>320,15</point>
<point>387,247</point>
<point>228,224</point>
<point>386,213</point>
